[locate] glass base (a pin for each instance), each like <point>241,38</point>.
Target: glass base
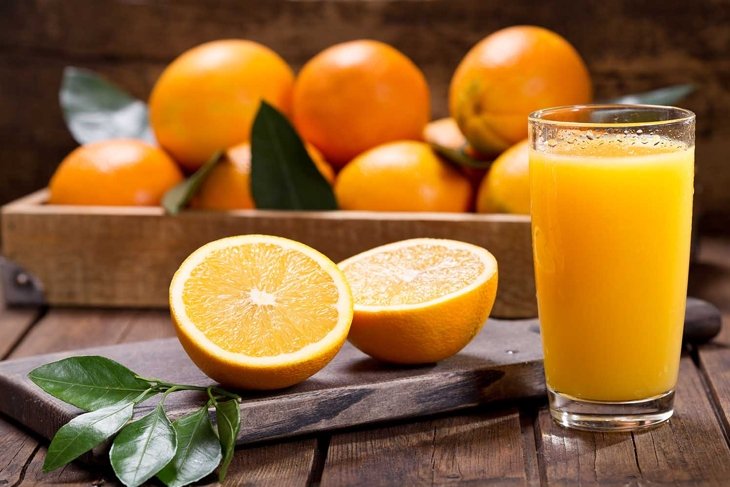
<point>600,416</point>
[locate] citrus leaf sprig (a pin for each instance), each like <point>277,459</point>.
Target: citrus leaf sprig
<point>283,175</point>
<point>178,453</point>
<point>663,96</point>
<point>180,196</point>
<point>95,109</point>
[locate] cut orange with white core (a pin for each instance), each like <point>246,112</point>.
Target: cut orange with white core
<point>260,312</point>
<point>421,300</point>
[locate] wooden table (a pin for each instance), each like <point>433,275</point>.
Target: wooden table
<point>508,444</point>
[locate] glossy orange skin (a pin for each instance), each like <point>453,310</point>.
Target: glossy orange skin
<point>119,172</point>
<point>509,74</point>
<point>207,98</point>
<point>506,187</point>
<point>228,186</point>
<point>356,95</point>
<point>402,176</point>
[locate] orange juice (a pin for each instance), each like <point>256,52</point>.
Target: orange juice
<point>611,221</point>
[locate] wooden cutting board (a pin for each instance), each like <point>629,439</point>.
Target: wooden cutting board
<point>503,362</point>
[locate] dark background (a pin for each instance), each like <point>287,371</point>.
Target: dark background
<point>629,46</point>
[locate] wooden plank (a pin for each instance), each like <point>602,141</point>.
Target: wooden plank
<point>709,276</point>
<point>690,449</point>
<point>352,390</point>
<point>711,279</point>
<point>714,363</point>
<point>13,324</point>
<point>529,412</point>
<point>482,448</point>
<point>71,475</point>
<point>16,448</point>
<point>284,464</point>
<point>70,329</point>
<point>106,256</point>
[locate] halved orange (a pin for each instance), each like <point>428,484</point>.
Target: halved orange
<point>260,312</point>
<point>420,300</point>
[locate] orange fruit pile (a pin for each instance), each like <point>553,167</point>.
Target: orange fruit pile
<point>362,108</point>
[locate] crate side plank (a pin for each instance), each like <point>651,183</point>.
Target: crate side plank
<point>109,256</point>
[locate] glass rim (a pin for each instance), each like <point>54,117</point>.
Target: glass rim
<point>538,115</point>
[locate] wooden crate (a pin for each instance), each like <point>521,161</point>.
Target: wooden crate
<point>125,256</point>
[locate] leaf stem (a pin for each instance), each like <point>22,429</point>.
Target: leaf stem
<point>212,400</point>
<point>143,395</point>
<point>162,386</point>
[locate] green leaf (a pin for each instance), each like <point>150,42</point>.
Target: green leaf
<point>95,109</point>
<point>84,432</point>
<point>662,96</point>
<point>198,450</point>
<point>283,175</point>
<point>143,448</point>
<point>178,197</point>
<point>89,382</point>
<point>459,157</point>
<point>228,418</point>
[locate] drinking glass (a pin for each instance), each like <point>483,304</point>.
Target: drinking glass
<point>611,203</point>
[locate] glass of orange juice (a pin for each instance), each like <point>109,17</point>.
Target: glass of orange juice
<point>611,204</point>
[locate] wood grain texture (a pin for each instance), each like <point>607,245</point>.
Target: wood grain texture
<point>474,449</point>
<point>16,448</point>
<point>14,322</point>
<point>70,329</point>
<point>106,256</point>
<point>711,279</point>
<point>529,412</point>
<point>689,450</point>
<point>284,464</point>
<point>661,43</point>
<point>352,390</point>
<point>709,276</point>
<point>72,475</point>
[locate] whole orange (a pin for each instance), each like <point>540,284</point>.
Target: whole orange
<point>207,98</point>
<point>509,74</point>
<point>356,95</point>
<point>119,172</point>
<point>506,187</point>
<point>402,176</point>
<point>228,186</point>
